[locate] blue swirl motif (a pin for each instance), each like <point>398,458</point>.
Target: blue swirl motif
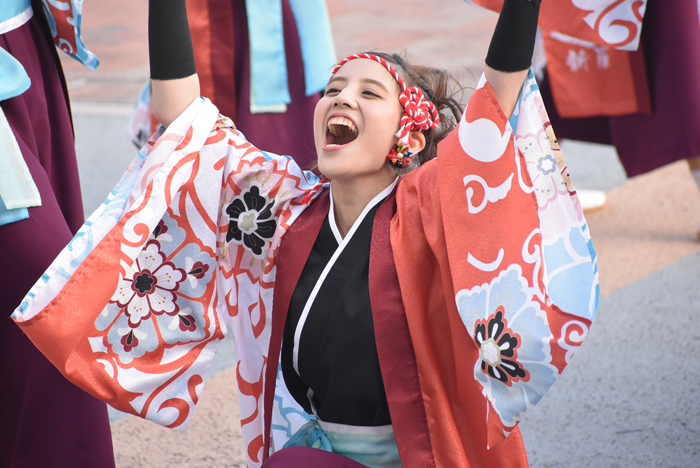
<point>23,306</point>
<point>509,293</point>
<point>572,273</point>
<point>114,205</point>
<point>287,408</point>
<point>89,245</point>
<point>60,271</point>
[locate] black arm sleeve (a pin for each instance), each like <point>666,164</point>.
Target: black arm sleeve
<point>513,40</point>
<point>169,41</point>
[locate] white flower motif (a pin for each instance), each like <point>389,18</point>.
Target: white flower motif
<point>251,220</point>
<point>558,211</point>
<point>149,286</point>
<point>547,164</point>
<point>511,330</point>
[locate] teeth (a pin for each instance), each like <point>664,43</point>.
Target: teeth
<point>341,121</point>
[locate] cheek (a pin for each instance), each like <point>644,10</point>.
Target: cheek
<point>378,143</point>
<point>383,129</point>
<point>320,112</point>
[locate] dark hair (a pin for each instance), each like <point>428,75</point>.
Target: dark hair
<point>439,87</point>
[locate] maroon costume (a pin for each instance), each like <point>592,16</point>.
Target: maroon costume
<point>45,421</point>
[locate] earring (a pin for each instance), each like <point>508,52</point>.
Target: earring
<point>399,156</point>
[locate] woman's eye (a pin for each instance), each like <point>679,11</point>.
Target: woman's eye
<point>331,91</point>
<point>370,93</point>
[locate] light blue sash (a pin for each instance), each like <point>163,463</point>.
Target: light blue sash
<point>17,188</point>
<point>268,63</point>
<point>13,78</point>
<point>317,48</point>
<point>374,447</point>
<point>11,14</point>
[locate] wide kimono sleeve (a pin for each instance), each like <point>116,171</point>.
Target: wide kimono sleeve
<point>497,271</point>
<point>183,250</point>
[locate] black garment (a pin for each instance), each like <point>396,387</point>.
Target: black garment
<point>513,39</point>
<point>337,353</point>
<point>169,42</point>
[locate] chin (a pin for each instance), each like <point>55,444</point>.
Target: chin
<point>331,170</point>
<point>335,163</point>
<point>351,163</point>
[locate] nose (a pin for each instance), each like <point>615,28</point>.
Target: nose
<point>342,99</point>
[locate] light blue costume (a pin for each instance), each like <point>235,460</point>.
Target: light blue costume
<point>268,65</point>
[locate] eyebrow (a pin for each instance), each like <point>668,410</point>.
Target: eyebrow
<point>364,80</point>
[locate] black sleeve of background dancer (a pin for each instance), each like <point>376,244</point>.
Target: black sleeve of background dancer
<point>169,41</point>
<point>513,40</point>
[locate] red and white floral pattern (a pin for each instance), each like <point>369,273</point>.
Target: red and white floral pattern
<point>149,286</point>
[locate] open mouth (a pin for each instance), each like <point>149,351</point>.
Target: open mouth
<point>340,131</point>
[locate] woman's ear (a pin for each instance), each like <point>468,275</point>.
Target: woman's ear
<point>417,142</point>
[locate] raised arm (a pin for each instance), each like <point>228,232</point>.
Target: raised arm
<point>510,53</point>
<point>174,80</point>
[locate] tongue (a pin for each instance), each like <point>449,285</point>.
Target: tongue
<point>343,135</point>
<point>331,139</point>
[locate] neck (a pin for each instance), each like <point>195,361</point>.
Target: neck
<point>350,198</point>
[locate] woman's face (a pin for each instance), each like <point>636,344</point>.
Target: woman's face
<point>355,122</point>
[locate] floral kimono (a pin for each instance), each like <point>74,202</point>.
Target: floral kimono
<point>482,278</point>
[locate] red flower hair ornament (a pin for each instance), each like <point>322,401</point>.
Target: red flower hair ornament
<point>419,114</point>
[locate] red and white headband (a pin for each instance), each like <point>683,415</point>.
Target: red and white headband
<point>419,114</point>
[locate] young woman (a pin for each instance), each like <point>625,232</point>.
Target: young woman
<point>388,320</point>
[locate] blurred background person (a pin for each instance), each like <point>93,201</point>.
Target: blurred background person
<point>45,421</point>
<point>645,102</point>
<point>263,63</point>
